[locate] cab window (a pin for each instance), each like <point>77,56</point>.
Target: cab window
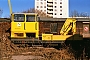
<point>38,19</point>
<point>30,18</point>
<point>19,17</point>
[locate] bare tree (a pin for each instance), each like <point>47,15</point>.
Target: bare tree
<point>31,10</point>
<point>74,13</point>
<point>39,12</point>
<point>77,14</point>
<point>1,11</point>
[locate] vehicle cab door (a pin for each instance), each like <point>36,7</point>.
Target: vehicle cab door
<point>31,25</point>
<point>17,24</point>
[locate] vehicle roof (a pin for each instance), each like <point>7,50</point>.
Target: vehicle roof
<point>26,13</point>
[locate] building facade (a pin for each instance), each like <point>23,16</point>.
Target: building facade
<point>53,8</point>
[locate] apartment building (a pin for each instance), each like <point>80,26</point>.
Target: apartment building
<point>53,8</point>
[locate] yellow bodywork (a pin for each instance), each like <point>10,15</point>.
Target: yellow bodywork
<point>47,36</point>
<point>32,27</point>
<point>19,29</point>
<point>60,37</point>
<point>70,23</point>
<point>52,37</point>
<point>17,26</point>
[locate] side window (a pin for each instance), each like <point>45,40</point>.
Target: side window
<point>19,17</point>
<point>38,19</point>
<point>54,27</point>
<point>30,18</point>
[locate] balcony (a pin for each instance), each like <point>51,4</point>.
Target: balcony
<point>50,0</point>
<point>50,11</point>
<point>49,4</point>
<point>50,15</point>
<point>49,8</point>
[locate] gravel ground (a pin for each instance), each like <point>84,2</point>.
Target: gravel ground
<point>11,51</point>
<point>28,57</point>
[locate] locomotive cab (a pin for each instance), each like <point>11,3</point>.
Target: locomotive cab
<point>24,25</point>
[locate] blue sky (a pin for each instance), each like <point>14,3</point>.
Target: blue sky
<point>20,5</point>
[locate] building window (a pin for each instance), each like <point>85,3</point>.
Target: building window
<point>60,6</point>
<point>41,7</point>
<point>55,14</point>
<point>44,6</point>
<point>37,6</point>
<point>41,10</point>
<point>44,10</point>
<point>37,0</point>
<point>55,6</point>
<point>41,2</point>
<point>60,10</point>
<point>44,0</point>
<point>55,9</point>
<point>45,3</point>
<point>61,14</point>
<point>53,27</point>
<point>60,2</point>
<point>37,3</point>
<point>55,2</point>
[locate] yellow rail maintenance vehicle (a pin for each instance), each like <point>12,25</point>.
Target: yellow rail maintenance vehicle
<point>26,28</point>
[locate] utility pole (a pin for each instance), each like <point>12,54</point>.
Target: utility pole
<point>10,7</point>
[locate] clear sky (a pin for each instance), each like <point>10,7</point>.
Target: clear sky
<point>20,5</point>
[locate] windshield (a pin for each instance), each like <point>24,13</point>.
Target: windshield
<point>30,18</point>
<point>19,18</point>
